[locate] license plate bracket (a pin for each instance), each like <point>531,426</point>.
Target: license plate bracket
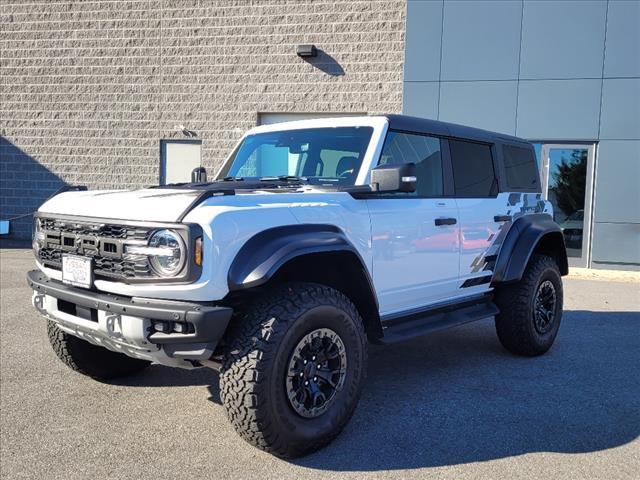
<point>77,271</point>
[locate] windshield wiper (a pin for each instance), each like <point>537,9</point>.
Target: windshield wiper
<point>233,179</point>
<point>284,178</point>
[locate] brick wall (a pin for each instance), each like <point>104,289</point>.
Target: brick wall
<point>87,88</point>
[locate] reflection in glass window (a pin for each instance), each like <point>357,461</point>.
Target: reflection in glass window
<point>567,189</point>
<point>422,150</point>
<point>537,148</point>
<point>320,155</point>
<point>520,168</point>
<point>473,172</point>
<point>567,181</point>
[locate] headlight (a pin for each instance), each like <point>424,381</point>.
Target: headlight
<point>169,253</point>
<point>38,235</point>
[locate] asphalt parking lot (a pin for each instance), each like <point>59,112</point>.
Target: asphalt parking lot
<point>452,405</point>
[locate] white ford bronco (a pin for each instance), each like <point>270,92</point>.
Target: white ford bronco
<point>315,238</point>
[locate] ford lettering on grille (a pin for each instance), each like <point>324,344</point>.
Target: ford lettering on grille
<point>104,243</point>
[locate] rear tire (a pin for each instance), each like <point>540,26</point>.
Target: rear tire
<point>275,399</point>
<point>91,360</point>
<point>531,310</point>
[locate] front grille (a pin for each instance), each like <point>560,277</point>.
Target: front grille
<point>98,229</point>
<point>103,242</point>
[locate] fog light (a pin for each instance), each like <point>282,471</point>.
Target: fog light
<point>180,327</point>
<point>164,327</point>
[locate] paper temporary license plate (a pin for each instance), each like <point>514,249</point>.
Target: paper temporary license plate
<point>77,271</point>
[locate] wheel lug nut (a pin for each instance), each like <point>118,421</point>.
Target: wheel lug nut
<point>315,379</point>
<point>306,382</point>
<point>319,366</point>
<point>301,374</point>
<point>305,362</point>
<point>313,358</point>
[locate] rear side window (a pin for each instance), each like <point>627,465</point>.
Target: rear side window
<point>473,172</point>
<point>520,168</point>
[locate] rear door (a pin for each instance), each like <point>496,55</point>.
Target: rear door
<point>482,212</point>
<point>415,235</point>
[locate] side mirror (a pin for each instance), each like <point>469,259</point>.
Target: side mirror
<point>199,175</point>
<point>394,178</point>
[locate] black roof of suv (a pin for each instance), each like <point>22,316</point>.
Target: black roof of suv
<point>436,127</point>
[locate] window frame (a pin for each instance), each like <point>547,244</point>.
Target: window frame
<point>447,172</point>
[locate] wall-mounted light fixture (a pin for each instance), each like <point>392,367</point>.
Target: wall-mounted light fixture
<point>185,131</point>
<point>306,51</point>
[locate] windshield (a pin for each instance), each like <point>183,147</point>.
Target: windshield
<point>312,155</point>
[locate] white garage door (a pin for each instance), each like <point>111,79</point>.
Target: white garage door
<point>269,118</point>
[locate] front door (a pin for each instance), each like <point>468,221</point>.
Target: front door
<point>567,173</point>
<point>415,236</point>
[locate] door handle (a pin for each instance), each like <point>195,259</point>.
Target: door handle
<point>445,221</point>
<point>502,218</point>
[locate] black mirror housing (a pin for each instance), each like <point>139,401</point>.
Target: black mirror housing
<point>199,175</point>
<point>394,178</point>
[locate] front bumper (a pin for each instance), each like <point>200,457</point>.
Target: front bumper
<point>124,324</point>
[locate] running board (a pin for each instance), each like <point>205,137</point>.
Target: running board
<point>418,324</point>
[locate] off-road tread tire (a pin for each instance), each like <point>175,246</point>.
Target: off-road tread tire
<point>91,360</point>
<point>252,345</point>
<point>514,324</point>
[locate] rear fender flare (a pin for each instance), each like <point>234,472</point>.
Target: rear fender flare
<point>527,234</point>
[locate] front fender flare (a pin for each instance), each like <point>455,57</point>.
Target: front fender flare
<point>264,253</point>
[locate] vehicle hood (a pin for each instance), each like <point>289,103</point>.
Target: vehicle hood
<point>158,205</point>
<point>150,204</point>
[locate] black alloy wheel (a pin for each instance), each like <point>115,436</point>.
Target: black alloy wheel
<point>544,307</point>
<point>317,370</point>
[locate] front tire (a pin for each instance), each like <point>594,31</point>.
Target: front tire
<point>91,360</point>
<point>531,310</point>
<point>294,369</point>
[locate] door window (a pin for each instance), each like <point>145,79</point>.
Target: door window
<point>566,190</point>
<point>422,150</point>
<point>473,172</point>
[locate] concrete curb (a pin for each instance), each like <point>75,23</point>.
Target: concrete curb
<point>604,275</point>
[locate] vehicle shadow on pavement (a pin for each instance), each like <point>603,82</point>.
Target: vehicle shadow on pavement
<point>457,397</point>
<point>161,376</point>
